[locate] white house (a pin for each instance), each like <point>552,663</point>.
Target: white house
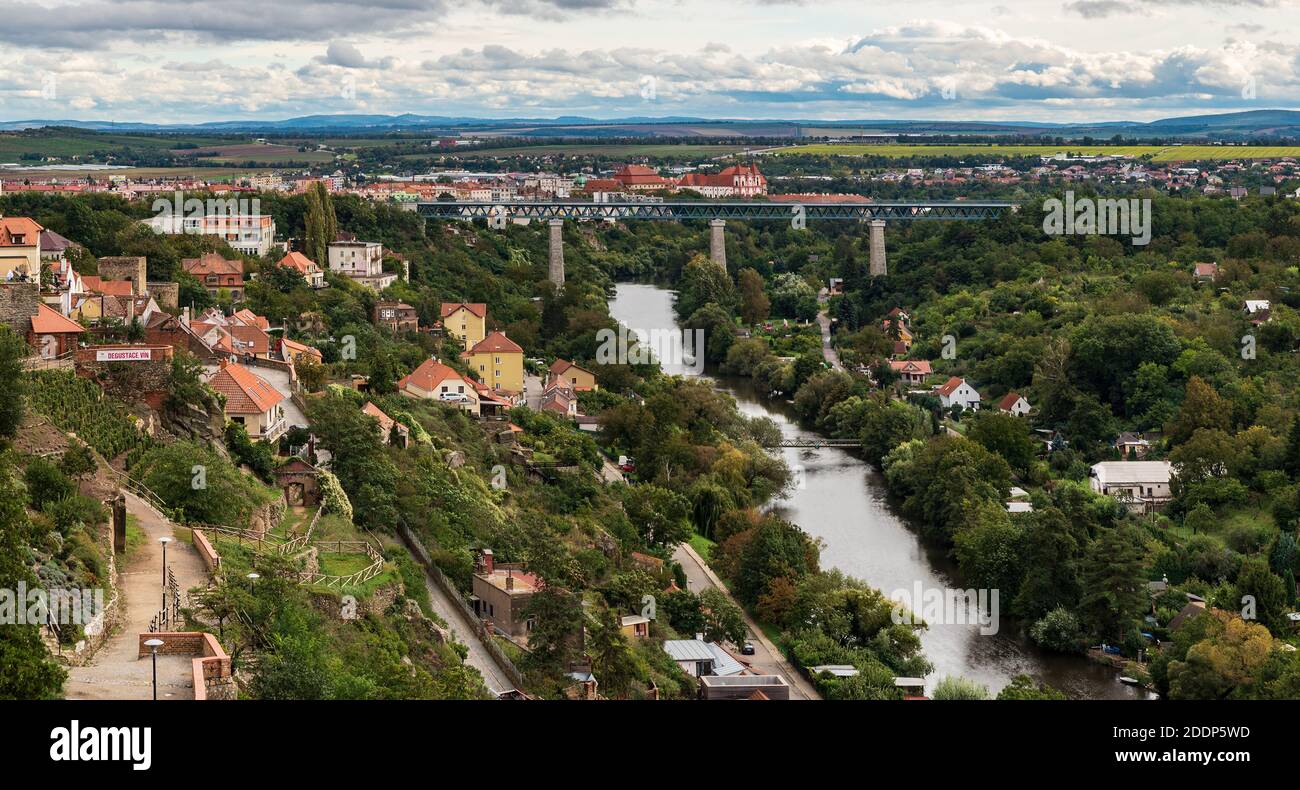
<point>1014,403</point>
<point>1141,485</point>
<point>958,392</point>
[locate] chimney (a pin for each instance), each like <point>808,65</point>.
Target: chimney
<point>185,316</point>
<point>223,363</point>
<point>510,581</point>
<point>488,562</point>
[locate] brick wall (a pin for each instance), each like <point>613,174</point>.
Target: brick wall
<point>212,672</point>
<point>206,551</point>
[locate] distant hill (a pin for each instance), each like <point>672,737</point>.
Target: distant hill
<point>1253,123</point>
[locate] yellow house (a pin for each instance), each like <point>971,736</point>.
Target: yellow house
<point>579,378</point>
<point>20,248</point>
<point>499,362</point>
<point>465,320</point>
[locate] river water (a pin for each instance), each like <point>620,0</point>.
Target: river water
<point>841,499</point>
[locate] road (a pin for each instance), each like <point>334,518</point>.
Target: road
<point>479,658</point>
<point>767,659</point>
<point>828,351</point>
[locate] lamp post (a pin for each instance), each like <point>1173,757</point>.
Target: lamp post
<point>252,580</point>
<point>153,645</point>
<point>164,540</point>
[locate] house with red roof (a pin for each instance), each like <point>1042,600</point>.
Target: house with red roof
<point>386,425</point>
<point>52,334</point>
<point>311,273</point>
<point>957,391</point>
<point>1014,403</point>
<point>433,380</point>
<point>217,274</point>
<point>499,362</point>
<point>1206,272</point>
<point>465,320</point>
<point>20,248</point>
<point>639,178</point>
<point>250,401</point>
<point>912,372</point>
<point>579,378</point>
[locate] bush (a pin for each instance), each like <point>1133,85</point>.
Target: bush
<point>46,484</point>
<point>1058,630</point>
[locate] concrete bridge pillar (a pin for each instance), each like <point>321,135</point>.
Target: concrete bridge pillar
<point>878,266</point>
<point>557,252</point>
<point>717,242</point>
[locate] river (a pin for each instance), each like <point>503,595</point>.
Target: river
<point>841,499</point>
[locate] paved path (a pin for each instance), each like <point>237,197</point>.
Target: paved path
<point>828,351</point>
<point>533,387</point>
<point>479,658</point>
<point>117,671</point>
<point>767,659</point>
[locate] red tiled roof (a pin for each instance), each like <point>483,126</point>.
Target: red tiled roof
<point>245,391</point>
<point>249,318</point>
<point>212,263</point>
<point>25,227</point>
<point>950,385</point>
<point>252,340</point>
<point>1008,401</point>
<point>98,285</point>
<point>385,422</point>
<point>477,308</point>
<point>429,375</point>
<point>296,260</point>
<point>496,342</point>
<point>911,365</point>
<point>49,321</point>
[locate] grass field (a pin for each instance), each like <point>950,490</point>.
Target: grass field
<point>71,143</point>
<point>205,173</point>
<point>1157,153</point>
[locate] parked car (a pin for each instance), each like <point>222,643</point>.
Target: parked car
<point>626,464</point>
<point>747,649</point>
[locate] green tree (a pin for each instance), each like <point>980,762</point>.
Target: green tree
<point>1024,687</point>
<point>754,304</point>
<point>1114,587</point>
<point>661,516</point>
<point>723,620</point>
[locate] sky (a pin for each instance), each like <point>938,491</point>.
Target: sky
<point>186,61</point>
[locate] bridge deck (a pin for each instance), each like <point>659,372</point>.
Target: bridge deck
<point>716,209</point>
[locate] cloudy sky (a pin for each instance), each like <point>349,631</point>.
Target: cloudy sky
<point>179,61</point>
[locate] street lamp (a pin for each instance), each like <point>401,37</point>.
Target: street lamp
<point>252,580</point>
<point>164,540</point>
<point>153,645</point>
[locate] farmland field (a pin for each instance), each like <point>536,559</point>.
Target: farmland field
<point>598,149</point>
<point>1157,153</point>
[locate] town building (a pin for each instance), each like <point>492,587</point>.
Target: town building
<point>396,317</point>
<point>579,378</point>
<point>736,181</point>
<point>53,335</point>
<point>465,320</point>
<point>501,595</point>
<point>698,658</point>
<point>362,261</point>
<point>311,273</point>
<point>250,234</point>
<point>219,276</point>
<point>1141,485</point>
<point>433,380</point>
<point>388,427</point>
<point>499,362</point>
<point>250,401</point>
<point>20,249</point>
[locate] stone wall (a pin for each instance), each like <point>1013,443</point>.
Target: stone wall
<point>18,303</point>
<point>267,517</point>
<point>135,380</point>
<point>167,295</point>
<point>125,268</point>
<point>212,671</point>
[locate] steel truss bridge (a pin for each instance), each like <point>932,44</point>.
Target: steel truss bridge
<point>816,442</point>
<point>714,210</point>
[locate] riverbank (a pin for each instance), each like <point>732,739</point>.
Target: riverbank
<point>842,502</point>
